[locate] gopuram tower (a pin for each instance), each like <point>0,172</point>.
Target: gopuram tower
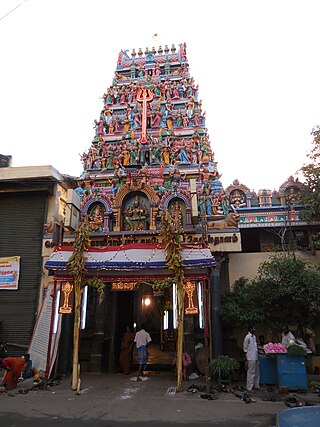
<point>151,151</point>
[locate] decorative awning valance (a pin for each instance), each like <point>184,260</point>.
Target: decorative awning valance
<point>133,257</point>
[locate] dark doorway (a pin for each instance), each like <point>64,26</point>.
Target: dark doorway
<point>125,303</point>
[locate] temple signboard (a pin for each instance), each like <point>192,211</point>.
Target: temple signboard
<point>225,242</point>
<point>124,286</point>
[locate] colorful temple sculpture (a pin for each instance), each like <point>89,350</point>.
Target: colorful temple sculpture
<point>151,149</point>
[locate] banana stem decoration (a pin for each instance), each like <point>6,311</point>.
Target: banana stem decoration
<point>77,268</point>
<point>171,233</point>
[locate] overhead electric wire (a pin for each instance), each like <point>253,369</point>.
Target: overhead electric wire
<point>8,13</point>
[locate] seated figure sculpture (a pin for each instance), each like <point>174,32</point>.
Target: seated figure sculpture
<point>136,215</point>
<point>96,219</point>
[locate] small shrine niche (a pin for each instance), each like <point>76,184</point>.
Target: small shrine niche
<point>292,195</point>
<point>96,215</point>
<point>238,199</point>
<point>177,209</point>
<point>290,192</point>
<point>136,212</point>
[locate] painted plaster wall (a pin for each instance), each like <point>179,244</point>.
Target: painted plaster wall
<point>246,264</point>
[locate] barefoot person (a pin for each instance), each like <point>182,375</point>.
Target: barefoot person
<point>125,359</point>
<point>13,367</point>
<point>142,340</point>
<point>251,349</point>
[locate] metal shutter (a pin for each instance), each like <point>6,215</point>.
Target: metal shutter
<point>21,233</point>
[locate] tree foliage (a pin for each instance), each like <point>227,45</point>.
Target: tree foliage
<point>310,191</point>
<point>286,290</point>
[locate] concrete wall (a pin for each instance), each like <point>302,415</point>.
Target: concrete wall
<point>246,264</point>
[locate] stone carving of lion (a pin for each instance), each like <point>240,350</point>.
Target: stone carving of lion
<point>230,221</point>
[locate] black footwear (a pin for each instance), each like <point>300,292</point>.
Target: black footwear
<point>208,397</point>
<point>292,399</point>
<point>246,397</point>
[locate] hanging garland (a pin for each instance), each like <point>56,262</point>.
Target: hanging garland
<point>162,291</point>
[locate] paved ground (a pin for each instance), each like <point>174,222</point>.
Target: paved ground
<point>119,400</point>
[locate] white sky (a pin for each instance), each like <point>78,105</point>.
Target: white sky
<point>256,62</point>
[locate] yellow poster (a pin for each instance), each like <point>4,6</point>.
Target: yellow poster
<point>9,272</point>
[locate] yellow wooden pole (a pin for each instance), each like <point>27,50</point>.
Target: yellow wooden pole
<point>76,336</point>
<point>180,301</point>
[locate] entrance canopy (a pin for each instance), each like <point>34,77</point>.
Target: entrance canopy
<point>133,257</point>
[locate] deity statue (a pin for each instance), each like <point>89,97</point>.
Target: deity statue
<point>136,215</point>
<point>96,219</point>
<point>237,199</point>
<point>224,202</point>
<point>176,213</point>
<point>176,178</point>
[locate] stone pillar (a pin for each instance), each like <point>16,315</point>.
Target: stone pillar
<point>215,309</point>
<point>98,336</point>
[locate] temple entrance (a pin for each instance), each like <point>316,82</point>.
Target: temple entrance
<point>124,315</point>
<point>131,298</point>
<point>134,308</point>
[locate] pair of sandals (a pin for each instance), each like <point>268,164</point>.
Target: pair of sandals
<point>209,396</point>
<point>292,402</point>
<point>247,398</point>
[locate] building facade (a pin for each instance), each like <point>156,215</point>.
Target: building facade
<point>32,204</point>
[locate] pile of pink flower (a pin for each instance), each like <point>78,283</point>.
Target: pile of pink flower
<point>275,348</point>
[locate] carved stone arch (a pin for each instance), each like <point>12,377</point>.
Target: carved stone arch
<point>105,202</point>
<point>144,188</point>
<point>171,196</point>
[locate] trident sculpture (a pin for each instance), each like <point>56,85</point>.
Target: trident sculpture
<point>144,96</point>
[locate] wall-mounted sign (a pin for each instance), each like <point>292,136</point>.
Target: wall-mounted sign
<point>9,272</point>
<point>225,242</point>
<point>66,298</point>
<point>124,286</point>
<point>219,241</point>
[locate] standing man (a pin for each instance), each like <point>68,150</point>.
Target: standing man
<point>251,350</point>
<point>142,340</point>
<point>287,336</point>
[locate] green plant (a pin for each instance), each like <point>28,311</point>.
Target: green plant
<point>296,350</point>
<point>221,367</point>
